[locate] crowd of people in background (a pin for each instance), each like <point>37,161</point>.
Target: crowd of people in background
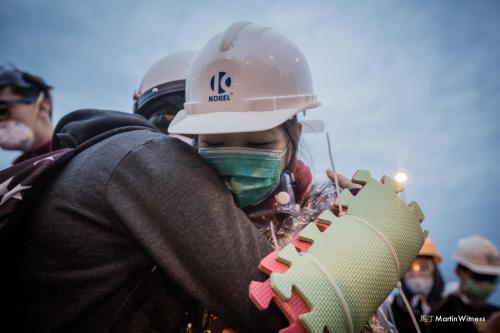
<point>26,126</point>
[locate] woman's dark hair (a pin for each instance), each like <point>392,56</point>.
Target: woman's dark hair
<point>290,127</point>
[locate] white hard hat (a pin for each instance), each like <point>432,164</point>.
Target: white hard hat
<point>167,76</point>
<point>479,255</point>
<point>248,78</point>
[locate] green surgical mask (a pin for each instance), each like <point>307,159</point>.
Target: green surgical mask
<point>250,174</point>
<point>479,290</point>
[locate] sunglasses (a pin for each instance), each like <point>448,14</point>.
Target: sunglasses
<point>6,106</point>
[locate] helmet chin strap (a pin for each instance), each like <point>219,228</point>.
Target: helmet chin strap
<point>288,158</point>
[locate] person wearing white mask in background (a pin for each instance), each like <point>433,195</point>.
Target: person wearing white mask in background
<point>422,285</point>
<point>478,267</point>
<point>25,113</point>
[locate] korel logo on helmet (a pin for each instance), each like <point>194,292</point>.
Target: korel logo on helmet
<point>220,83</point>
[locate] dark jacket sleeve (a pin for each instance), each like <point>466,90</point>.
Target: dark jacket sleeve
<point>182,215</point>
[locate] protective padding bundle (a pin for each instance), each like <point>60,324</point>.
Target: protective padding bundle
<point>353,264</point>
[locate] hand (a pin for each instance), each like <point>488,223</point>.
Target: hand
<point>344,182</point>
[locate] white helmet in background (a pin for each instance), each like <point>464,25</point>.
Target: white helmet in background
<point>245,79</point>
<point>162,89</point>
<point>479,255</point>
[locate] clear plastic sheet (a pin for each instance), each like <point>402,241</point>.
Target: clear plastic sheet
<point>286,221</point>
<point>382,321</point>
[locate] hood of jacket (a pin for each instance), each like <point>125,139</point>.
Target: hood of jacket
<point>84,127</point>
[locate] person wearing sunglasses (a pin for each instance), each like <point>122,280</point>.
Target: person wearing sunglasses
<point>25,113</point>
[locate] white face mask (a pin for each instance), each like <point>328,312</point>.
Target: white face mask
<point>15,135</point>
<point>420,285</point>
